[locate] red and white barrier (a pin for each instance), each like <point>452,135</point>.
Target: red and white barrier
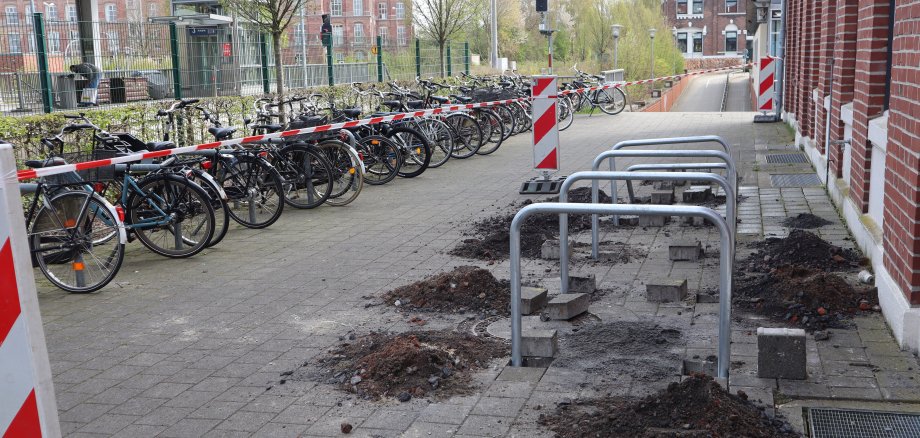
<point>27,405</point>
<point>545,123</point>
<point>765,90</point>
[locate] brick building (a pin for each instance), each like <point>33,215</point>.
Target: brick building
<point>707,28</point>
<point>852,92</point>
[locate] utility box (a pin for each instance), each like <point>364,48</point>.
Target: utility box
<point>65,90</point>
<point>617,75</point>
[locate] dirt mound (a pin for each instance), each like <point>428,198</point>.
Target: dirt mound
<point>804,249</point>
<point>582,195</point>
<point>805,221</point>
<point>697,407</point>
<point>408,365</point>
<point>466,288</point>
<point>640,350</point>
<point>811,298</point>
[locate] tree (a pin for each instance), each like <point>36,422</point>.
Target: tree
<point>442,20</point>
<point>272,17</point>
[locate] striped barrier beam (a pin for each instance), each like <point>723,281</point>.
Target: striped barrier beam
<point>545,123</point>
<point>27,404</point>
<point>55,170</point>
<point>765,90</point>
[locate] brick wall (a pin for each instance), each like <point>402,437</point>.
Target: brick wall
<point>828,28</point>
<point>844,53</point>
<point>869,91</point>
<point>668,97</point>
<point>691,64</point>
<point>902,181</point>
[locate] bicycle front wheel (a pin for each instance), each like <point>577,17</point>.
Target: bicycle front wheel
<point>171,215</point>
<point>611,101</point>
<point>255,190</point>
<point>469,135</point>
<point>75,242</point>
<point>415,149</point>
<point>307,176</point>
<point>347,176</point>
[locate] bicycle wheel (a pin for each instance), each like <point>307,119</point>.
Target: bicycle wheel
<point>221,209</point>
<point>171,215</point>
<point>507,117</point>
<point>71,241</point>
<point>496,131</point>
<point>441,138</point>
<point>255,190</point>
<point>382,159</point>
<point>564,113</point>
<point>468,134</point>
<point>415,149</point>
<point>611,101</point>
<point>520,117</point>
<point>347,173</point>
<point>306,173</point>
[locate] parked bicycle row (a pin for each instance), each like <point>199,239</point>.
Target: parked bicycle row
<point>178,205</point>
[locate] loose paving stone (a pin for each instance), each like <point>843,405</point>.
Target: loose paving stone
<point>539,343</point>
<point>666,290</point>
<point>652,220</point>
<point>781,353</point>
<point>550,250</point>
<point>685,251</point>
<point>567,306</point>
<point>663,197</point>
<point>532,299</point>
<point>582,283</point>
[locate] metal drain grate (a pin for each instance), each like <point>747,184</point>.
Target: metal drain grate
<point>840,423</point>
<point>787,159</point>
<point>795,180</point>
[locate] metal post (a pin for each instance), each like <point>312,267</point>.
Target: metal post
<point>303,44</point>
<point>549,39</point>
<point>418,58</point>
<point>379,58</point>
<point>494,31</point>
<point>466,57</point>
<point>41,51</point>
<point>651,74</point>
<point>449,69</point>
<point>329,70</point>
<point>174,52</point>
<point>725,263</point>
<point>263,48</point>
<point>22,100</point>
<point>781,63</point>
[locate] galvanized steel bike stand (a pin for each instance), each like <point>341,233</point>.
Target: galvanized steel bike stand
<point>725,263</point>
<point>706,153</point>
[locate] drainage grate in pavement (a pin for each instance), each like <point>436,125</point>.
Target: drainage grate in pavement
<point>787,159</point>
<point>841,423</point>
<point>794,180</point>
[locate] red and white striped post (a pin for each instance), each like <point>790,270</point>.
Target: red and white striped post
<point>27,405</point>
<point>765,89</point>
<point>545,128</point>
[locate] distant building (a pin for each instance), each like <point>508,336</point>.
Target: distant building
<point>707,28</point>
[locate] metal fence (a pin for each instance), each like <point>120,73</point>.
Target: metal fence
<point>143,61</point>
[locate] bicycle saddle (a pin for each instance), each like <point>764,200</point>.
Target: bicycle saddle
<point>415,104</point>
<point>461,99</point>
<point>221,133</point>
<point>38,164</point>
<point>392,104</point>
<point>160,145</point>
<point>352,112</point>
<point>268,127</point>
<point>440,99</point>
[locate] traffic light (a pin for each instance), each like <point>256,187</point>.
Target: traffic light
<point>541,5</point>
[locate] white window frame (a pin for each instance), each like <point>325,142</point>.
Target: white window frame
<point>335,8</point>
<point>736,8</point>
<point>51,11</point>
<point>357,8</point>
<point>338,34</point>
<point>384,33</point>
<point>17,46</point>
<point>111,12</point>
<point>693,4</point>
<point>400,10</point>
<point>382,11</point>
<point>112,41</point>
<point>54,42</point>
<point>727,33</point>
<point>71,13</point>
<point>401,37</point>
<point>12,15</point>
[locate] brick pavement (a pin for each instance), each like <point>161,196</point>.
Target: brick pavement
<point>188,347</point>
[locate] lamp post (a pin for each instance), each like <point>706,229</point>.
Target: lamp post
<point>616,43</point>
<point>651,75</point>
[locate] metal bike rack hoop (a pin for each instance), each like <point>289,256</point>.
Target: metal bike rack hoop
<point>669,166</point>
<point>725,263</point>
<point>704,153</point>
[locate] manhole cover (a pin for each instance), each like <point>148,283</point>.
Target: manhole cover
<point>786,159</point>
<point>794,180</point>
<point>841,423</point>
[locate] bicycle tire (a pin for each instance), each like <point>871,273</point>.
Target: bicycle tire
<point>468,132</point>
<point>251,182</point>
<point>496,134</point>
<point>564,115</point>
<point>614,101</point>
<point>306,173</point>
<point>181,201</point>
<point>47,228</point>
<point>440,137</point>
<point>221,209</point>
<point>382,159</point>
<point>348,175</point>
<point>508,120</point>
<point>415,149</point>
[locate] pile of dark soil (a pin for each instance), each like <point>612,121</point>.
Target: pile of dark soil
<point>640,350</point>
<point>697,407</point>
<point>803,249</point>
<point>805,221</point>
<point>408,365</point>
<point>811,298</point>
<point>466,288</point>
<point>491,237</point>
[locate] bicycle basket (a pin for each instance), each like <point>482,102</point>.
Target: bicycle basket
<point>308,122</point>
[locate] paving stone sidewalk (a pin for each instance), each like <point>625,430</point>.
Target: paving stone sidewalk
<point>179,348</point>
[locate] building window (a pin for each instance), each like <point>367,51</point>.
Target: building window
<point>382,11</point>
<point>400,10</point>
<point>731,5</point>
<point>336,8</point>
<point>359,33</point>
<point>12,17</point>
<point>360,56</point>
<point>775,26</point>
<point>338,34</point>
<point>698,42</point>
<point>384,34</point>
<point>111,13</point>
<point>31,43</point>
<point>74,36</point>
<point>71,12</point>
<point>731,41</point>
<point>682,7</point>
<point>401,36</point>
<point>112,39</point>
<point>299,36</point>
<point>152,10</point>
<point>51,11</point>
<point>358,9</point>
<point>340,57</point>
<point>682,41</point>
<point>697,7</point>
<point>54,42</point>
<point>15,44</point>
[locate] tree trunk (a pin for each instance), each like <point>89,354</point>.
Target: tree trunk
<point>279,72</point>
<point>441,57</point>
